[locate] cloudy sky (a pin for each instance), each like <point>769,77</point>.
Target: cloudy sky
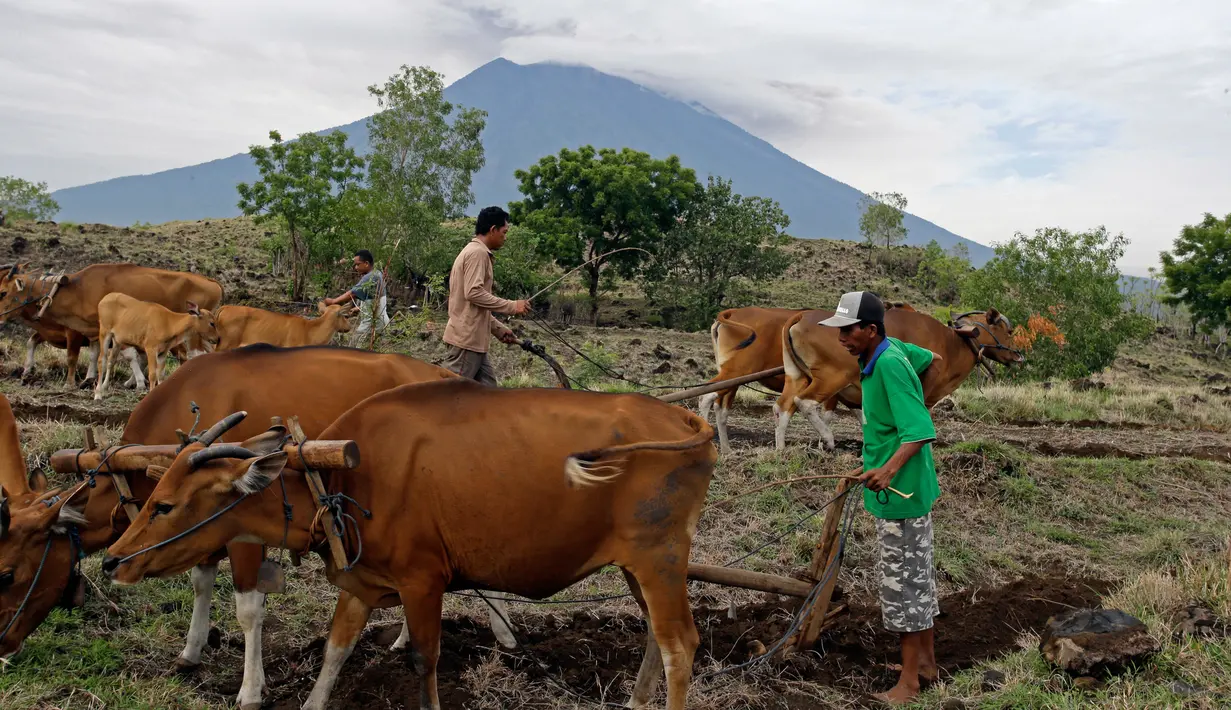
<point>991,116</point>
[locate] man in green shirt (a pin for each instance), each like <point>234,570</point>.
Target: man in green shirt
<point>897,452</point>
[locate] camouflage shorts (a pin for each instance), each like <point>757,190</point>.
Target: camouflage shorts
<point>908,578</point>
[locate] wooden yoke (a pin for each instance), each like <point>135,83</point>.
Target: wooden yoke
<point>55,288</point>
<point>336,548</point>
<point>338,455</point>
<point>120,482</point>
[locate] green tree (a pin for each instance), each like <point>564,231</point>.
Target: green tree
<point>586,203</point>
<point>1070,279</point>
<point>940,274</point>
<point>881,223</point>
<point>722,242</point>
<point>1198,271</point>
<point>304,186</point>
<point>22,199</point>
<point>424,154</point>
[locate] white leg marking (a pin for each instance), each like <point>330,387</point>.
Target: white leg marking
<point>498,612</point>
<point>29,366</point>
<point>91,372</point>
<point>137,375</point>
<point>403,638</point>
<point>784,418</point>
<point>198,631</point>
<point>335,657</point>
<point>820,422</point>
<point>704,405</point>
<point>250,610</point>
<point>724,439</point>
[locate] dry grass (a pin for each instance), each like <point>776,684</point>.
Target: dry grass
<point>1171,406</point>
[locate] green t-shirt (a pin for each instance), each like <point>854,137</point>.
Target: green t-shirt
<point>894,414</point>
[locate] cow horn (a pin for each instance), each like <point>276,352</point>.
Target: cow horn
<point>211,435</point>
<point>221,451</point>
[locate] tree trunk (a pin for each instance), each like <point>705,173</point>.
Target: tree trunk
<point>299,265</point>
<point>593,273</point>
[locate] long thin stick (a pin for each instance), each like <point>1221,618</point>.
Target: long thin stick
<point>570,271</point>
<point>852,476</point>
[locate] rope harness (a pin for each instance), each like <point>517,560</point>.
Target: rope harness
<point>334,503</point>
<point>980,358</point>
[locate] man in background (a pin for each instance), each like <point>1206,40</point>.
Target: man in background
<point>368,295</point>
<point>472,303</point>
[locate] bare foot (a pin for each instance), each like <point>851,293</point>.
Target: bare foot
<point>898,695</point>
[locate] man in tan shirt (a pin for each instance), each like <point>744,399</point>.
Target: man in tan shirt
<point>471,301</point>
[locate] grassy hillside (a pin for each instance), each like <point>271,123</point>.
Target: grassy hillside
<point>231,251</point>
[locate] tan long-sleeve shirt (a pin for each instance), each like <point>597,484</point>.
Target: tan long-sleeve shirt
<point>471,301</point>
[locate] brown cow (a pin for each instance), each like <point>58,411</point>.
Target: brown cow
<point>819,370</point>
<point>127,322</point>
<point>266,382</point>
<point>746,340</point>
<point>447,514</point>
<point>241,325</point>
<point>75,304</point>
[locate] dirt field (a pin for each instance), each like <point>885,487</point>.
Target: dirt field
<point>1056,496</point>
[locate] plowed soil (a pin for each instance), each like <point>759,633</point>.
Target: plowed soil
<point>585,651</point>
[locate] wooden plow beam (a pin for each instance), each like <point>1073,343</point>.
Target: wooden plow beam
<point>721,385</point>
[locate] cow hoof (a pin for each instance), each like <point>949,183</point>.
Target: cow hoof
<point>84,384</point>
<point>185,666</point>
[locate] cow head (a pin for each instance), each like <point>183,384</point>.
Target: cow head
<point>204,480</point>
<point>14,282</point>
<point>204,327</point>
<point>40,535</point>
<point>991,332</point>
<point>337,316</point>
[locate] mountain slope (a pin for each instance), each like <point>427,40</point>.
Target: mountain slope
<point>534,111</point>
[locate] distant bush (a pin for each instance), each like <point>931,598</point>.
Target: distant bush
<point>1071,281</point>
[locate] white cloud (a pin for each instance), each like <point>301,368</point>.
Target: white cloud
<point>991,117</point>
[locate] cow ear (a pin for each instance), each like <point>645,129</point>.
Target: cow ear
<point>38,481</point>
<point>70,510</point>
<point>63,280</point>
<point>261,472</point>
<point>193,309</point>
<point>320,306</point>
<point>5,515</point>
<point>967,331</point>
<point>19,284</point>
<point>267,442</point>
<point>993,315</point>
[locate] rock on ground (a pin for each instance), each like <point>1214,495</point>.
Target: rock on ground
<point>1089,641</point>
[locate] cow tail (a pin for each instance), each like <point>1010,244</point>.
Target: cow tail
<point>584,469</point>
<point>789,351</point>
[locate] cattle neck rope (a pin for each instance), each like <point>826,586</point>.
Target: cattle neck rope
<point>77,551</point>
<point>334,503</point>
<point>29,592</point>
<point>180,536</point>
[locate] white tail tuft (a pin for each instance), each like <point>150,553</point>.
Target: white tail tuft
<point>588,473</point>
